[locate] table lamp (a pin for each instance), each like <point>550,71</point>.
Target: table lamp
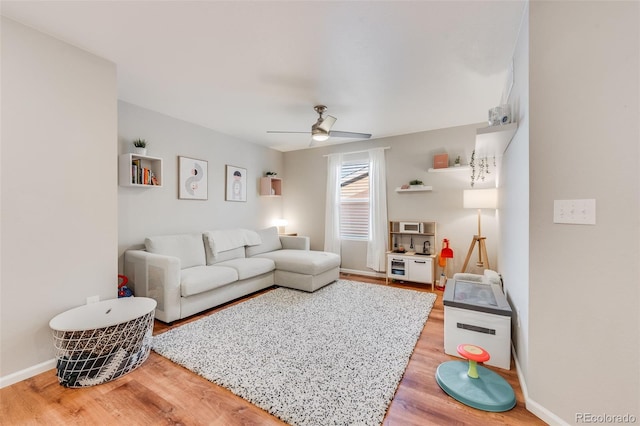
<point>281,223</point>
<point>479,199</point>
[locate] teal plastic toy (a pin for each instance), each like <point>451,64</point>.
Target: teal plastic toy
<point>473,384</point>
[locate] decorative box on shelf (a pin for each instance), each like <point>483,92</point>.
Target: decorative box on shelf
<point>441,161</point>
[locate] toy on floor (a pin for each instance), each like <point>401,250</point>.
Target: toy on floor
<point>123,290</point>
<point>474,385</point>
<point>445,253</point>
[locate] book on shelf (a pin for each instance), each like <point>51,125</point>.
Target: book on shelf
<point>142,175</point>
<point>136,170</point>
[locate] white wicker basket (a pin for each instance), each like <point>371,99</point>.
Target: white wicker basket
<point>100,342</point>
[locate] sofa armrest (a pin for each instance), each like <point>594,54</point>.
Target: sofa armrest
<point>155,276</point>
<point>295,242</point>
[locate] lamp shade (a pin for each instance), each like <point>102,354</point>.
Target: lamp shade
<point>480,198</point>
<point>281,223</point>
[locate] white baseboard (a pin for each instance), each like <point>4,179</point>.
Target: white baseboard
<point>544,414</point>
<point>18,376</point>
<point>538,410</point>
<point>365,273</point>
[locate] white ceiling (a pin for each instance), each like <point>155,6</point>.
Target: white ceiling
<point>245,67</point>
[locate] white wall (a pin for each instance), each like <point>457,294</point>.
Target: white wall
<point>144,212</point>
<point>59,211</point>
<point>584,143</point>
<point>409,158</point>
<point>514,204</point>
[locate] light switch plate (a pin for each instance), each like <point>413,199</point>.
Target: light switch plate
<point>578,212</point>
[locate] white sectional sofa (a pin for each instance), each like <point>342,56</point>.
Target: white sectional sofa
<point>189,273</point>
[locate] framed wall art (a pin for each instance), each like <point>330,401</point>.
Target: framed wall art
<point>236,184</point>
<point>192,179</point>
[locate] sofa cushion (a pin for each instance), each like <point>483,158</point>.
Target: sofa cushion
<point>203,278</point>
<point>250,267</point>
<point>236,253</point>
<point>189,248</point>
<point>270,242</point>
<point>229,239</point>
<point>308,262</point>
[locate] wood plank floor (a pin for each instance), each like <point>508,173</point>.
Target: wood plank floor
<point>163,393</point>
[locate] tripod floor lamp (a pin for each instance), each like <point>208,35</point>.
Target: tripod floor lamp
<point>479,199</point>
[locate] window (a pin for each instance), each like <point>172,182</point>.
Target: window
<point>354,200</point>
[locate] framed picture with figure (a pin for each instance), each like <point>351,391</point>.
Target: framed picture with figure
<point>192,179</point>
<point>236,184</point>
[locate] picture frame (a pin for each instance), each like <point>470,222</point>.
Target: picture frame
<point>192,179</point>
<point>236,183</point>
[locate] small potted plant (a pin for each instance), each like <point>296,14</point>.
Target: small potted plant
<point>140,146</point>
<point>271,174</point>
<point>456,163</point>
<point>416,183</point>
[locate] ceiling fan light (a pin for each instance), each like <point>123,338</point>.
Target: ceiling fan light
<point>318,134</point>
<point>320,137</point>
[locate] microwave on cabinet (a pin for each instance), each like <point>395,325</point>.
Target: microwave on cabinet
<point>411,227</point>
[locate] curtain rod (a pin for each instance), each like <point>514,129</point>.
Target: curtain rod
<point>356,152</point>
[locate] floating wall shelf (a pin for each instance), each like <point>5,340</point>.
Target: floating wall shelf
<point>493,140</point>
<point>450,169</point>
<point>270,187</point>
<point>131,176</point>
<point>417,189</point>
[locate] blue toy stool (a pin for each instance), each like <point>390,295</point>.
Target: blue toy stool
<point>474,385</point>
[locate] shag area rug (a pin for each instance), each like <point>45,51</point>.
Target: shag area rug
<point>333,357</point>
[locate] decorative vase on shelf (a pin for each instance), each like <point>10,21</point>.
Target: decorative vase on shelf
<point>140,146</point>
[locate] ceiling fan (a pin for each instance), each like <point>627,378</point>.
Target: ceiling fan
<point>321,129</point>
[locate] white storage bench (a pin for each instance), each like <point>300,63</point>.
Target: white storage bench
<point>479,314</point>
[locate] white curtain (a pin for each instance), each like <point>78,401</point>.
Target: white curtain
<point>378,237</point>
<point>332,205</point>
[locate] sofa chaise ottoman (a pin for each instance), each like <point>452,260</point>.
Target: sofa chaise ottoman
<point>189,273</point>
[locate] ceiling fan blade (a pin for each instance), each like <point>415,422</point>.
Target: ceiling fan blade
<point>326,123</point>
<point>321,129</point>
<point>341,134</point>
<point>285,131</point>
